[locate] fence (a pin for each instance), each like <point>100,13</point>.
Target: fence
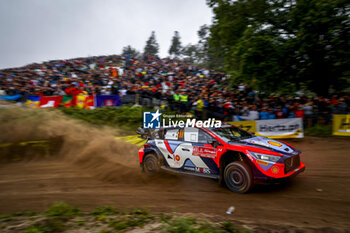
<point>317,118</point>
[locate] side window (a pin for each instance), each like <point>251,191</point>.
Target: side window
<point>191,134</point>
<point>203,137</point>
<point>171,134</point>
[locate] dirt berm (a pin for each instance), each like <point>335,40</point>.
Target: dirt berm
<point>89,168</point>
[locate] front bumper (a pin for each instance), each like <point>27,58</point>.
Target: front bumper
<point>272,180</point>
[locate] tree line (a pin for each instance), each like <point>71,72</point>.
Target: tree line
<point>272,45</point>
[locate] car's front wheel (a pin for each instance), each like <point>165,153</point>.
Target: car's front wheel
<point>151,164</point>
<point>238,177</point>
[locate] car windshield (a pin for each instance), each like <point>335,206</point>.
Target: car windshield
<point>232,134</point>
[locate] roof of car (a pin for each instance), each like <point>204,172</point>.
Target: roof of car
<point>224,125</point>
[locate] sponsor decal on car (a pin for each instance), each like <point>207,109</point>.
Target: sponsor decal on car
<point>203,170</point>
<point>262,162</point>
<point>258,142</point>
<point>275,170</point>
<point>189,168</point>
<point>274,143</point>
<point>204,152</point>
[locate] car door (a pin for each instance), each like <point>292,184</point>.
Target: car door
<point>173,148</point>
<point>202,153</point>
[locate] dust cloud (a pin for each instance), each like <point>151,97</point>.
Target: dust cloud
<point>95,150</point>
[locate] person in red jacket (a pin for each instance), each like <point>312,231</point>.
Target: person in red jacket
<point>299,113</point>
<point>279,113</point>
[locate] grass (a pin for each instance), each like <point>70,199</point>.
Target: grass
<point>192,225</point>
<point>125,118</point>
<point>136,218</point>
<point>62,217</point>
<point>319,131</point>
<point>51,225</point>
<point>106,210</point>
<point>61,209</point>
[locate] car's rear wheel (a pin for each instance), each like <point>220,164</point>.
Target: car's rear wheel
<point>151,164</point>
<point>238,177</point>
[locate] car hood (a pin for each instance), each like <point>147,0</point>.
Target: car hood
<point>271,144</point>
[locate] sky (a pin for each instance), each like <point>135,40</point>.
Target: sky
<point>41,30</point>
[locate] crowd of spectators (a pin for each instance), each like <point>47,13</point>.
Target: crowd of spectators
<point>165,83</point>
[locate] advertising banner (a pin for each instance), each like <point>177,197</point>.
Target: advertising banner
<point>341,124</point>
<point>280,128</point>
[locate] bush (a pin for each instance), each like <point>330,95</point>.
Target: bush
<point>124,117</point>
<point>61,209</point>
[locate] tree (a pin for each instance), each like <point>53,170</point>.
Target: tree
<point>208,55</point>
<point>175,47</point>
<point>283,44</point>
<point>128,50</point>
<point>190,53</point>
<point>152,47</point>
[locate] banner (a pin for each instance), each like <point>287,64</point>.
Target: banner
<point>280,128</point>
<point>67,101</point>
<point>33,101</point>
<point>10,97</point>
<point>80,101</point>
<point>107,100</point>
<point>90,102</point>
<point>341,124</point>
<point>50,101</point>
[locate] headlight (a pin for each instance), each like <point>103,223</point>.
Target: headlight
<point>265,157</point>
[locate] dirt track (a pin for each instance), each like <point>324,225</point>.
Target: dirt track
<point>318,198</point>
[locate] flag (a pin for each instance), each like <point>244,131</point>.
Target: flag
<point>33,101</point>
<point>90,102</point>
<point>67,101</point>
<point>107,100</point>
<point>80,101</point>
<point>114,72</point>
<point>10,97</point>
<point>50,101</point>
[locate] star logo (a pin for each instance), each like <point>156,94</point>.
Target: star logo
<point>155,115</point>
<point>151,120</point>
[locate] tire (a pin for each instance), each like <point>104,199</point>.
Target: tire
<point>151,164</point>
<point>238,177</point>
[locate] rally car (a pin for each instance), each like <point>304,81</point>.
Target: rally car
<point>237,158</point>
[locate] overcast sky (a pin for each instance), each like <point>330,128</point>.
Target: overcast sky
<point>39,30</point>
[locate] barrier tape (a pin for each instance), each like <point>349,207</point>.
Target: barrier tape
<point>133,139</point>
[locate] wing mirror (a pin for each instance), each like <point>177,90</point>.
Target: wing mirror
<point>143,134</point>
<point>213,142</point>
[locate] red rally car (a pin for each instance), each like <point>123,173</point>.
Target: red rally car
<point>230,154</point>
